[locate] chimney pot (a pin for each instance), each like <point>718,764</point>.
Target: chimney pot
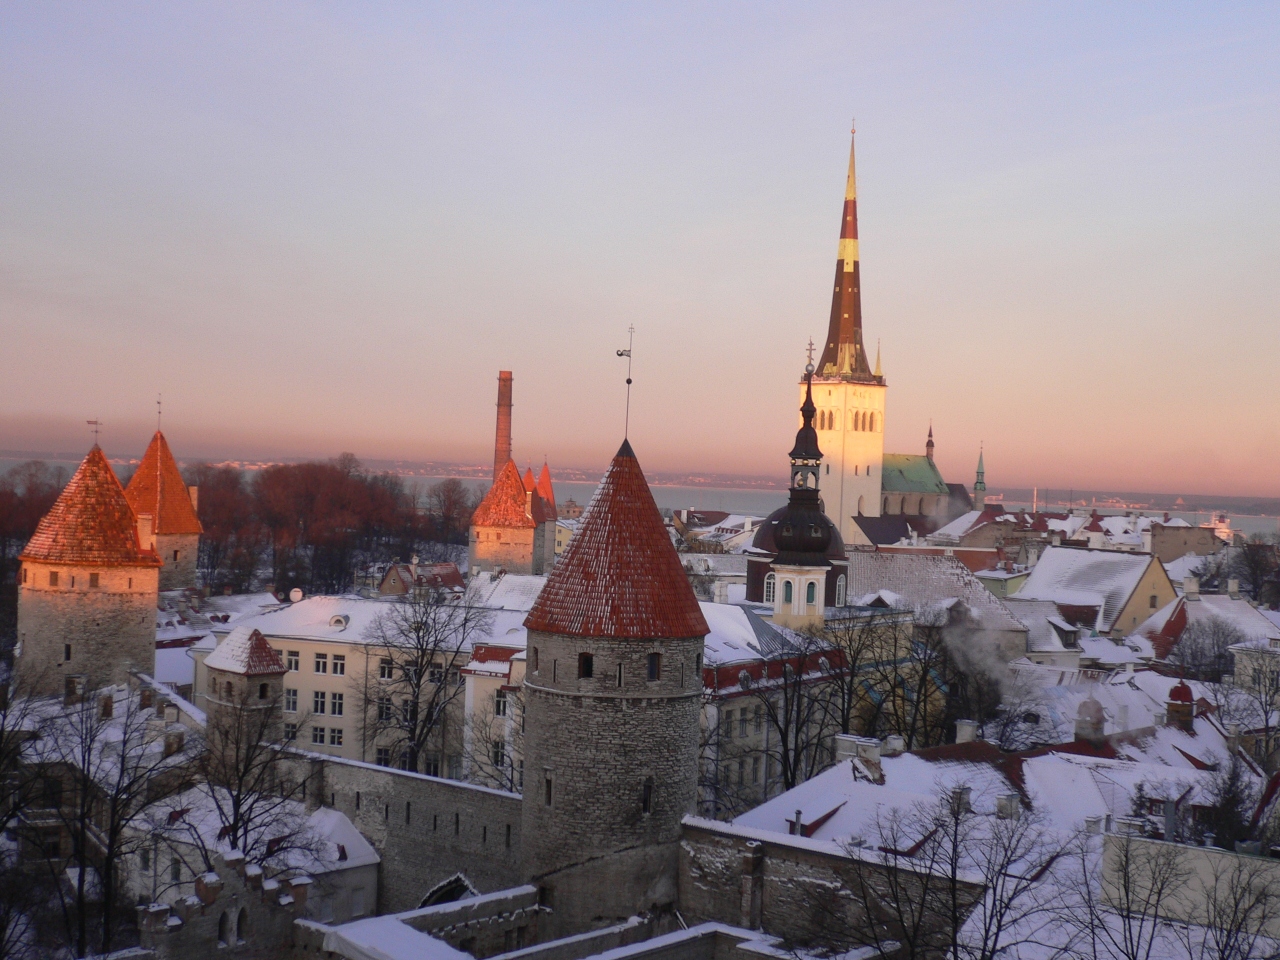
<point>966,731</point>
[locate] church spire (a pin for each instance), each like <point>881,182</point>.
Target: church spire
<point>980,484</point>
<point>928,447</point>
<point>843,354</point>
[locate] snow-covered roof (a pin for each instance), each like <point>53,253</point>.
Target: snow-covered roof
<point>738,634</point>
<point>1077,577</point>
<point>320,842</point>
<point>245,651</point>
<point>925,582</point>
<point>1188,565</point>
<point>350,619</point>
<point>1045,627</point>
<point>506,591</point>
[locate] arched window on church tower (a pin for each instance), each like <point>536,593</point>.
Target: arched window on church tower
<point>787,596</point>
<point>770,586</point>
<point>873,423</point>
<point>840,588</point>
<point>860,502</point>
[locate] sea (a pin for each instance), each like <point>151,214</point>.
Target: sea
<point>750,502</point>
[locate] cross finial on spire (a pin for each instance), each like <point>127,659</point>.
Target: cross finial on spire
<point>158,412</point>
<point>96,425</point>
<point>810,351</point>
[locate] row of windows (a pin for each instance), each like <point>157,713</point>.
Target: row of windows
<point>293,661</point>
<point>319,735</point>
<point>810,592</point>
<point>587,667</point>
<point>860,420</point>
<point>321,702</point>
<point>54,579</point>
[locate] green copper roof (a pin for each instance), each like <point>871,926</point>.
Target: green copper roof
<point>911,473</point>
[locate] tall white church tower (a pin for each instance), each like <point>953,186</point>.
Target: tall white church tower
<point>850,397</point>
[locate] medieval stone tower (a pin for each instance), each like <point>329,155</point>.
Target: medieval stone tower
<point>243,696</point>
<point>158,491</point>
<point>87,587</point>
<point>849,396</point>
<point>612,694</point>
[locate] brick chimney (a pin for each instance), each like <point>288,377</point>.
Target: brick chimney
<point>502,440</point>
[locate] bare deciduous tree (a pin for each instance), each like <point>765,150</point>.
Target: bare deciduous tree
<point>416,648</point>
<point>1138,882</point>
<point>113,760</point>
<point>1203,652</point>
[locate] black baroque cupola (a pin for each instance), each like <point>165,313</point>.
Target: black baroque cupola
<point>802,534</point>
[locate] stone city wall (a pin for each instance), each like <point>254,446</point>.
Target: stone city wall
<point>426,829</point>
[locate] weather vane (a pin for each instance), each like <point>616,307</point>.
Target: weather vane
<point>809,350</point>
<point>97,425</point>
<point>631,336</point>
<point>158,398</point>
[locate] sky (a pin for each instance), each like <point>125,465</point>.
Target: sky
<point>323,227</point>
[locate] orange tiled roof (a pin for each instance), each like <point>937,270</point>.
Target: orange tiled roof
<point>91,522</point>
<point>529,482</point>
<point>619,576</point>
<point>545,490</point>
<point>504,504</point>
<point>157,488</point>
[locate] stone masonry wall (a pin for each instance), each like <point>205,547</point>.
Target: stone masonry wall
<point>597,744</point>
<point>111,627</point>
<point>513,552</point>
<point>771,882</point>
<point>255,916</point>
<point>176,574</point>
<point>427,830</point>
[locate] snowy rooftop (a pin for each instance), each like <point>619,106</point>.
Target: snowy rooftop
<point>923,583</point>
<point>351,619</point>
<point>320,842</point>
<point>1104,579</point>
<point>508,591</point>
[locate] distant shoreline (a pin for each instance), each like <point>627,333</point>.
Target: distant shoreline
<point>1052,499</point>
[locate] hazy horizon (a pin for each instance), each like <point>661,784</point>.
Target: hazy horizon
<point>318,228</point>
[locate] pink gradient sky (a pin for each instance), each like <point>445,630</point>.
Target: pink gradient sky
<point>321,227</point>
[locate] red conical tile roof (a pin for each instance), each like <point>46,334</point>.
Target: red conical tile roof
<point>529,482</point>
<point>619,576</point>
<point>157,488</point>
<point>91,522</point>
<point>545,490</point>
<point>504,504</point>
<point>245,651</point>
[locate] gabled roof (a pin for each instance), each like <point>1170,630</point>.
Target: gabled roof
<point>1075,577</point>
<point>157,488</point>
<point>505,505</point>
<point>245,651</point>
<point>91,522</point>
<point>911,473</point>
<point>620,575</point>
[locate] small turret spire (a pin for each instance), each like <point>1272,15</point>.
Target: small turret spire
<point>928,446</point>
<point>980,483</point>
<point>806,456</point>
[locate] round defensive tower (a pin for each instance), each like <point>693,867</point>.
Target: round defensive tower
<point>87,587</point>
<point>611,696</point>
